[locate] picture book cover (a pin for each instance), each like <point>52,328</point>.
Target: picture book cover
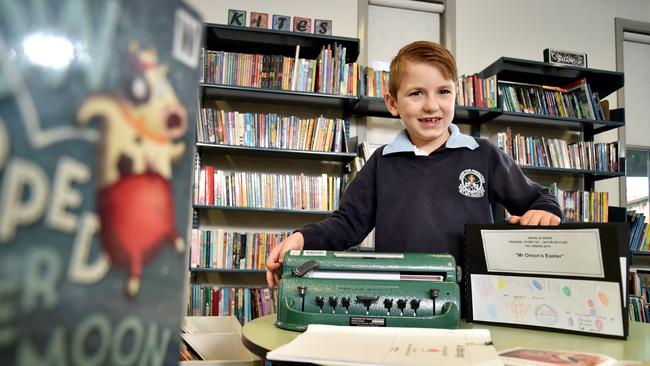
<point>97,109</point>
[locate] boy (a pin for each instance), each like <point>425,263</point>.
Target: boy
<point>419,191</point>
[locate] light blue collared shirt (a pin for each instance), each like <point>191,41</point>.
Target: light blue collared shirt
<point>402,143</point>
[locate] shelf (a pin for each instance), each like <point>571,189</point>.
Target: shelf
<point>235,279</point>
<point>375,106</point>
<point>273,42</point>
<point>274,152</point>
<point>221,270</point>
<point>261,209</point>
<point>593,174</point>
<point>574,124</point>
<point>263,95</point>
<point>541,73</point>
<point>640,261</point>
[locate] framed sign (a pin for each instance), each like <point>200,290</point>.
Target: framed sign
<point>567,278</point>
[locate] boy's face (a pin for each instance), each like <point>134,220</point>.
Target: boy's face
<point>425,103</point>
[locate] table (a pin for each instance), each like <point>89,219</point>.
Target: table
<point>261,335</point>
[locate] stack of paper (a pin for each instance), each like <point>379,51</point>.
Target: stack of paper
<point>340,345</point>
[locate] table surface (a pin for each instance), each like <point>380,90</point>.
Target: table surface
<point>261,335</point>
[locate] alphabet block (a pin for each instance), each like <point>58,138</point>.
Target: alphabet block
<point>323,26</point>
<point>259,20</point>
<point>237,17</point>
<point>281,22</point>
<point>302,25</point>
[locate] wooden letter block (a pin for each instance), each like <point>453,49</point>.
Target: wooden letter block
<point>259,20</point>
<point>322,26</point>
<point>281,22</point>
<point>237,17</point>
<point>302,25</point>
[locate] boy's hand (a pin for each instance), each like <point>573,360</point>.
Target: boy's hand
<point>276,257</point>
<point>535,218</point>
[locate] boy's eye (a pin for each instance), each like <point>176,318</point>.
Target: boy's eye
<point>445,91</point>
<point>416,92</point>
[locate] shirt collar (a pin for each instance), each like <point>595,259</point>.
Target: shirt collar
<point>456,140</point>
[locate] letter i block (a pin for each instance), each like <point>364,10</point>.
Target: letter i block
<point>259,20</point>
<point>322,26</point>
<point>237,17</point>
<point>281,22</point>
<point>302,25</point>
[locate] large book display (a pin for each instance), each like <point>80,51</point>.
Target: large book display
<point>95,140</point>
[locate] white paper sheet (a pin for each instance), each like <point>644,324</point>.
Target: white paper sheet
<point>360,346</point>
<point>574,252</point>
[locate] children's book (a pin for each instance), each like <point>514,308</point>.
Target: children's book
<point>97,120</point>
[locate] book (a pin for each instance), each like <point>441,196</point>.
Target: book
<point>95,175</point>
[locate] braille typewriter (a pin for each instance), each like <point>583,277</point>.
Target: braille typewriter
<point>368,289</point>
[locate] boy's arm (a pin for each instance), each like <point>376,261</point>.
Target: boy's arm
<point>355,217</point>
<point>521,196</point>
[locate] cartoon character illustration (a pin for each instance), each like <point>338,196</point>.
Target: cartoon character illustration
<point>134,200</point>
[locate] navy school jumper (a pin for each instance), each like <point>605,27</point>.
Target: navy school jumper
<point>421,203</point>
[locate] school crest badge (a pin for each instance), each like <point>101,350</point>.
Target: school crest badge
<point>472,183</point>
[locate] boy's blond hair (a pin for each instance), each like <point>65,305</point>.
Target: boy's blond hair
<point>421,51</point>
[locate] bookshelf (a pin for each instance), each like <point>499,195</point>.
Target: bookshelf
<point>213,274</point>
<point>534,73</point>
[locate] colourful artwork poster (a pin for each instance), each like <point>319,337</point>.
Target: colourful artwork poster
<point>97,103</point>
<point>576,305</point>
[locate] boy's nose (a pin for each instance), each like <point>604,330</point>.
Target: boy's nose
<point>431,105</point>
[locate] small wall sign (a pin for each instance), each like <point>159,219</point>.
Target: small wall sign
<point>565,57</point>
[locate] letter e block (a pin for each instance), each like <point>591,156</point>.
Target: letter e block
<point>302,25</point>
<point>281,22</point>
<point>237,17</point>
<point>259,20</point>
<point>322,26</point>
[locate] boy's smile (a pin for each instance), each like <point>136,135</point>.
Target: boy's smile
<point>425,103</point>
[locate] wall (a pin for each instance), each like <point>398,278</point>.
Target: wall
<point>343,13</point>
<point>487,30</point>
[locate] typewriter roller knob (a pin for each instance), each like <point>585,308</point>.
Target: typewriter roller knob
<point>302,290</point>
<point>401,305</point>
<point>415,304</point>
<point>388,304</point>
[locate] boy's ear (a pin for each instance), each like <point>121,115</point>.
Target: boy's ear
<point>391,104</point>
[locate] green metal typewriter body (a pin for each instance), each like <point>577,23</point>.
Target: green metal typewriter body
<point>368,289</point>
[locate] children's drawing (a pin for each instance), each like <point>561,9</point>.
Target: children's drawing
<point>578,305</point>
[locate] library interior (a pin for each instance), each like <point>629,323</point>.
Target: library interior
<point>341,182</point>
